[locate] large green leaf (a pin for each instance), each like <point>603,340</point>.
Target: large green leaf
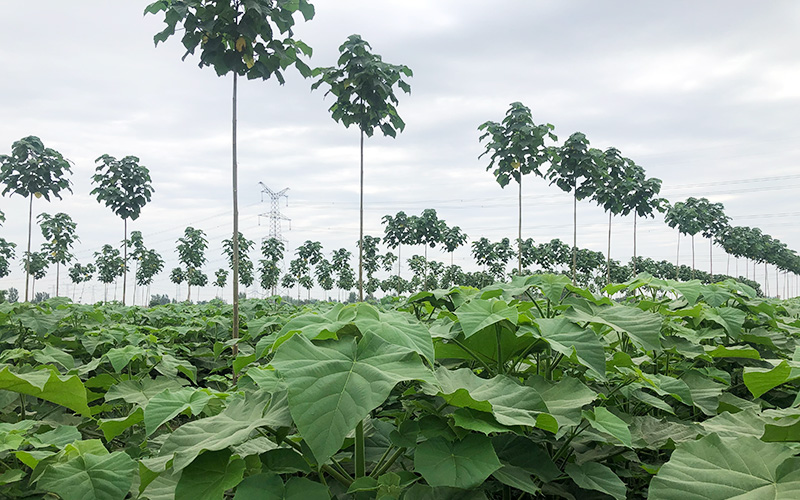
<point>551,285</point>
<point>605,421</point>
<point>760,380</point>
<point>113,427</point>
<point>119,357</point>
<point>139,392</point>
<point>596,476</point>
<point>165,405</point>
<point>101,477</point>
<point>396,329</point>
<point>509,402</point>
<point>460,464</point>
<point>209,476</point>
<point>46,384</point>
<point>729,318</point>
<point>563,399</point>
<point>478,314</point>
<point>642,327</point>
<point>713,468</point>
<point>580,345</point>
<point>271,487</point>
<point>334,385</point>
<point>231,427</point>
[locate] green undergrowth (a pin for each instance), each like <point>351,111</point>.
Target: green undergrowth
<point>530,389</point>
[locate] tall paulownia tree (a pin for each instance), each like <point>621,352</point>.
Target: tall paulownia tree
<point>684,217</point>
<point>575,169</point>
<point>149,264</point>
<point>59,232</point>
<point>109,267</point>
<point>192,254</point>
<point>517,147</point>
<point>612,191</point>
<point>124,187</point>
<point>251,38</point>
<point>363,85</point>
<point>644,201</point>
<point>33,170</point>
<point>399,231</point>
<point>269,269</point>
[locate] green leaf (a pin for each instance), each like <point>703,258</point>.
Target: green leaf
<point>231,427</point>
<point>478,314</point>
<point>334,385</point>
<point>598,477</point>
<point>758,380</point>
<point>270,487</point>
<point>516,477</point>
<point>642,327</point>
<point>509,402</point>
<point>395,329</point>
<point>563,399</point>
<point>121,356</point>
<point>209,476</point>
<point>139,392</point>
<point>113,427</point>
<point>50,354</point>
<point>577,344</point>
<point>729,318</point>
<point>736,351</point>
<point>11,476</point>
<point>425,492</point>
<point>166,405</point>
<point>101,477</point>
<point>713,468</point>
<point>705,392</point>
<point>45,384</point>
<point>461,464</point>
<point>605,421</point>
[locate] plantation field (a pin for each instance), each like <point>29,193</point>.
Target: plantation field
<point>530,389</point>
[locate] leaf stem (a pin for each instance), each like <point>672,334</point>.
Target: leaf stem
<point>500,364</point>
<point>397,454</point>
<point>530,296</point>
<point>471,353</point>
<point>360,459</point>
<point>382,459</point>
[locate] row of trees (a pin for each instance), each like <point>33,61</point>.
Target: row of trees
<point>518,146</point>
<point>34,171</point>
<point>311,266</point>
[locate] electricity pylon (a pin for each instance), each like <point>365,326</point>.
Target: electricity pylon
<point>274,214</point>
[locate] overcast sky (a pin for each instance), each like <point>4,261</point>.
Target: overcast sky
<point>703,95</point>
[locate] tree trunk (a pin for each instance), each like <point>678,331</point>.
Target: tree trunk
<point>519,232</point>
<point>574,232</point>
<point>766,280</point>
<point>711,259</point>
<point>28,254</point>
<point>678,257</point>
<point>133,300</point>
<point>608,257</point>
<point>124,261</point>
<point>399,259</point>
<point>425,268</point>
<point>692,256</point>
<point>235,178</point>
<point>361,226</point>
<point>634,243</point>
<point>58,271</point>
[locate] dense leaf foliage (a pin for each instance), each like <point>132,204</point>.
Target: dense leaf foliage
<point>530,387</point>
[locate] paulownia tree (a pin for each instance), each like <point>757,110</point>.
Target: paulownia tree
<point>575,169</point>
<point>684,217</point>
<point>363,85</point>
<point>251,38</point>
<point>272,251</point>
<point>59,232</point>
<point>399,231</point>
<point>124,187</point>
<point>149,265</point>
<point>191,250</point>
<point>109,267</point>
<point>517,147</point>
<point>33,170</point>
